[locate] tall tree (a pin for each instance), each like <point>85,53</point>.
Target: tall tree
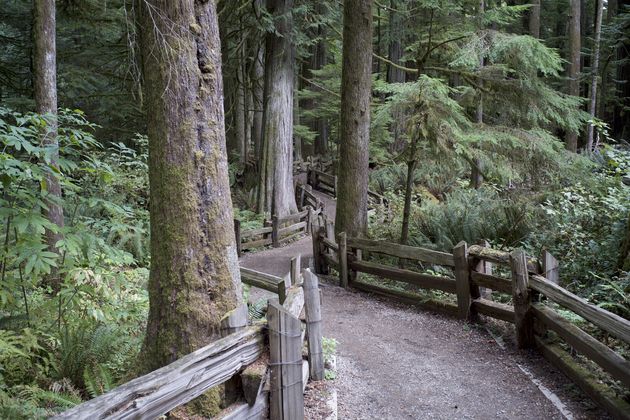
<point>573,72</point>
<point>275,186</point>
<point>534,18</point>
<point>356,90</point>
<point>45,90</point>
<point>194,279</point>
<point>592,106</point>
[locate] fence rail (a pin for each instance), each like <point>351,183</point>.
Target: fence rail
<point>473,281</point>
<point>275,231</point>
<point>162,390</point>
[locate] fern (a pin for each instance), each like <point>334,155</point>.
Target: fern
<point>98,380</point>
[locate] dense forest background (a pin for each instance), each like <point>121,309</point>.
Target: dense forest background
<point>488,121</point>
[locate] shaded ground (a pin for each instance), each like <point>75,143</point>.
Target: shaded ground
<point>397,362</point>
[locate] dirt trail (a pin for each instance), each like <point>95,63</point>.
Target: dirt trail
<point>397,362</point>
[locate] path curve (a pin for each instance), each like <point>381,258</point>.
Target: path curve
<point>397,362</point>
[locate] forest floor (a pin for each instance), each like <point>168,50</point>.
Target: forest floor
<point>398,362</point>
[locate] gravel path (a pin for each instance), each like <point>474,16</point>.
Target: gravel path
<point>397,362</point>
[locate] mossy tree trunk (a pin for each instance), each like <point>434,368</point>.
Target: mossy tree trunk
<point>194,278</point>
<point>275,186</point>
<point>356,90</point>
<point>534,19</point>
<point>45,90</point>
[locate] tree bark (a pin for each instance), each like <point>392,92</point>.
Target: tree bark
<point>595,74</point>
<point>258,82</point>
<point>195,278</point>
<point>275,187</point>
<point>319,60</point>
<point>356,86</point>
<point>573,72</point>
<point>396,33</point>
<point>45,90</point>
<point>411,168</point>
<point>534,19</point>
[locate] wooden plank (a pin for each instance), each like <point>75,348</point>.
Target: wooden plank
<point>240,411</point>
<point>312,305</point>
<point>294,302</point>
<point>425,281</point>
<point>494,309</point>
<point>408,298</point>
<point>296,270</point>
<point>590,384</point>
<point>291,365</point>
<point>293,217</point>
<point>162,390</point>
<point>305,373</point>
<point>608,321</point>
<point>521,299</point>
<point>261,280</point>
<point>343,261</point>
<point>462,279</point>
<point>254,232</point>
<point>275,359</point>
<point>282,290</point>
<point>330,244</point>
<point>292,228</point>
<point>256,244</point>
<point>611,362</point>
<point>501,257</point>
<point>402,251</point>
<point>500,284</point>
<point>317,256</point>
<point>550,267</point>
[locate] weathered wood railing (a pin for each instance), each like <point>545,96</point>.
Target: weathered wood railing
<point>276,387</point>
<point>275,231</point>
<point>304,198</point>
<point>473,281</point>
<point>322,181</point>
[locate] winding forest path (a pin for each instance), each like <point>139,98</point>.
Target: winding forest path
<point>397,362</point>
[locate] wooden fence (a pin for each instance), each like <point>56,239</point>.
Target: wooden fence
<point>304,198</point>
<point>273,389</point>
<point>276,231</point>
<point>469,277</point>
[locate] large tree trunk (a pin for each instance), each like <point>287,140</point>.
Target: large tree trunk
<point>396,33</point>
<point>573,72</point>
<point>45,89</point>
<point>621,116</point>
<point>319,60</point>
<point>595,74</point>
<point>194,279</point>
<point>534,19</point>
<point>275,187</point>
<point>476,178</point>
<point>356,86</point>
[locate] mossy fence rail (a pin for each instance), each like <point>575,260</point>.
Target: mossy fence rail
<point>467,273</point>
<point>271,386</point>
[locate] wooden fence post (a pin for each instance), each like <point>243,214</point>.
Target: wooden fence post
<point>484,267</point>
<point>285,354</point>
<point>316,247</point>
<point>296,269</point>
<point>462,278</point>
<point>522,299</point>
<point>275,240</point>
<point>343,260</point>
<point>309,220</point>
<point>237,235</point>
<point>312,304</point>
<point>330,232</point>
<point>550,267</point>
<point>324,268</point>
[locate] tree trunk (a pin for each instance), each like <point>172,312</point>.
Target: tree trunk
<point>356,86</point>
<point>258,81</point>
<point>476,179</point>
<point>396,34</point>
<point>240,112</point>
<point>194,279</point>
<point>45,89</point>
<point>319,60</point>
<point>621,115</point>
<point>595,73</point>
<point>275,188</point>
<point>573,72</point>
<point>534,19</point>
<point>411,168</point>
